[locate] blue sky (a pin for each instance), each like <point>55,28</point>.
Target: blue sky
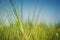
<point>48,10</point>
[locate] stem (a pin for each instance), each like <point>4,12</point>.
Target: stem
<point>34,11</point>
<point>21,10</point>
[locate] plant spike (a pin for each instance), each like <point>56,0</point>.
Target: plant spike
<point>18,20</point>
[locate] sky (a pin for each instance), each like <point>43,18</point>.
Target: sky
<point>43,10</point>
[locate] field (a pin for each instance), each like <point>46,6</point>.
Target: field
<point>28,30</point>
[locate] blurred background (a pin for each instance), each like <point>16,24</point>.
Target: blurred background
<point>42,17</point>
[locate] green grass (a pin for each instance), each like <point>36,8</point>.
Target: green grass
<point>31,32</point>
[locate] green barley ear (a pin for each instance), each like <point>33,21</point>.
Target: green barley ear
<point>18,20</point>
<point>20,25</point>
